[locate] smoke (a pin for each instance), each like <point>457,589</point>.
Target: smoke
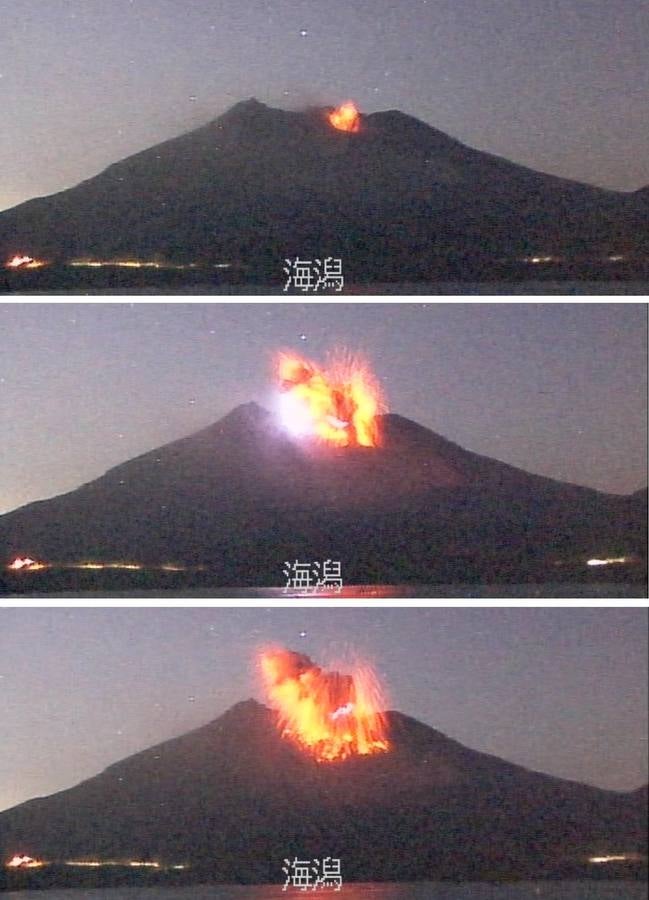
<point>338,404</point>
<point>329,715</point>
<point>346,117</point>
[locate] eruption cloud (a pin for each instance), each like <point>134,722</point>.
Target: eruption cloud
<point>339,404</point>
<point>346,117</point>
<point>328,715</point>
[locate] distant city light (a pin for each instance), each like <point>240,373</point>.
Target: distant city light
<point>608,561</point>
<point>28,862</point>
<point>120,263</point>
<point>131,864</point>
<point>26,563</point>
<point>540,259</point>
<point>24,862</point>
<point>20,261</point>
<point>88,863</point>
<point>138,264</point>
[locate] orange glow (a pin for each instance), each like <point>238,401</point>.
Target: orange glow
<point>26,563</point>
<point>328,715</point>
<point>88,863</point>
<point>119,263</point>
<point>124,863</point>
<point>21,563</point>
<point>24,262</point>
<point>18,261</point>
<point>135,264</point>
<point>24,862</point>
<point>339,406</point>
<point>346,117</point>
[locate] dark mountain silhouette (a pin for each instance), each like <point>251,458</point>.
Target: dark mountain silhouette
<point>397,200</point>
<point>233,799</point>
<point>242,497</point>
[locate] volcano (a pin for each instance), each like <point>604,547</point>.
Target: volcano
<point>393,197</point>
<point>233,799</point>
<point>243,496</point>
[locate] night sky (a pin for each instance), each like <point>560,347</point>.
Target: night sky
<point>556,389</point>
<point>561,86</point>
<point>563,691</point>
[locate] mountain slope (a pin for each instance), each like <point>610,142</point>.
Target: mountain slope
<point>257,185</point>
<point>234,799</point>
<point>242,497</point>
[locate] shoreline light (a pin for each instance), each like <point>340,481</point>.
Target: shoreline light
<point>607,561</point>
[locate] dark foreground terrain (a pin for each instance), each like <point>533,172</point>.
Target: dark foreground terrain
<point>229,506</point>
<point>610,582</point>
<point>396,201</point>
<point>441,278</point>
<point>231,800</point>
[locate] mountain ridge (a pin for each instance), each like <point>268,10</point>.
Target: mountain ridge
<point>247,409</point>
<point>236,777</point>
<point>242,488</point>
<point>258,185</point>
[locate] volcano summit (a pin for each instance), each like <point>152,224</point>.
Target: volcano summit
<point>232,799</point>
<point>243,496</point>
<point>392,197</point>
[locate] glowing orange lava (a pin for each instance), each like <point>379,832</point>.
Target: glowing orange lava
<point>346,117</point>
<point>24,262</point>
<point>339,405</point>
<point>329,715</point>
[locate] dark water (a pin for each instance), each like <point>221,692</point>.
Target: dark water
<point>558,591</point>
<point>554,890</point>
<point>499,288</point>
<point>456,288</point>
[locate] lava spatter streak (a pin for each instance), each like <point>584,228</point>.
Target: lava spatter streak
<point>329,715</point>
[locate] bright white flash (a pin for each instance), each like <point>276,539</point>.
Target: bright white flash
<point>337,423</point>
<point>342,711</point>
<point>294,415</point>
